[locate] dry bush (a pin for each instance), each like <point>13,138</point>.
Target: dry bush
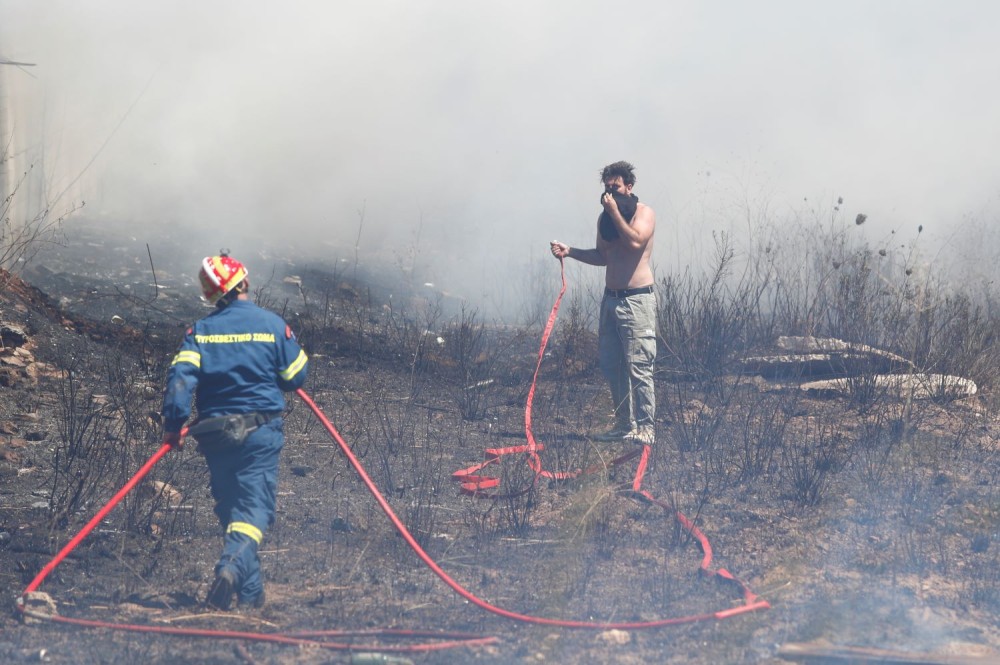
<point>507,512</point>
<point>21,238</point>
<point>760,436</point>
<point>572,349</point>
<point>812,458</point>
<point>706,323</point>
<point>476,363</point>
<point>878,439</point>
<point>104,437</point>
<point>810,275</point>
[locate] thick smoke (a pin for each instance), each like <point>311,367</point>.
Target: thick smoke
<point>447,142</point>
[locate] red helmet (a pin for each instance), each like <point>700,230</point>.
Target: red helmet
<point>219,275</point>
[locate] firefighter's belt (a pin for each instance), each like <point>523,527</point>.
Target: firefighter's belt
<point>223,432</point>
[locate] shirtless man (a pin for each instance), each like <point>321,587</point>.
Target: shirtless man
<point>627,330</point>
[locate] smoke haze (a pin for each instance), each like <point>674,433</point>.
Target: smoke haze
<point>471,133</point>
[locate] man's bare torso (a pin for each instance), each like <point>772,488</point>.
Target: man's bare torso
<point>628,267</point>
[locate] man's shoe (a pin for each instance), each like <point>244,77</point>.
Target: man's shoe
<point>641,436</point>
<point>616,433</point>
<point>220,596</point>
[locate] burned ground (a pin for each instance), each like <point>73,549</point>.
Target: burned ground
<point>863,521</point>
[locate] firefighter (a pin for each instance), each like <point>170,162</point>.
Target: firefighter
<point>236,362</point>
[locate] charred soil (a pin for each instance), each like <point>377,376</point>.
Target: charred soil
<point>866,524</point>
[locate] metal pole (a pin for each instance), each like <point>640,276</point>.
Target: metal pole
<point>8,146</point>
<point>8,172</point>
<point>6,186</point>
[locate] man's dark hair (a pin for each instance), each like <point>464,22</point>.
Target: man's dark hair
<point>623,169</point>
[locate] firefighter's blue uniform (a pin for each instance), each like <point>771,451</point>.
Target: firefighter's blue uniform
<point>239,360</point>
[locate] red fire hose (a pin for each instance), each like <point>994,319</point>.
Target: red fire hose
<point>101,514</point>
<point>472,483</point>
<point>446,640</point>
<point>477,485</point>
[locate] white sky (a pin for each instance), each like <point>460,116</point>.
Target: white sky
<point>475,131</point>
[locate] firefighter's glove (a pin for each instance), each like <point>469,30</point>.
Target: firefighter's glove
<point>174,439</point>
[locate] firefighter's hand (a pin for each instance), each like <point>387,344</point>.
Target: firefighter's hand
<point>174,439</point>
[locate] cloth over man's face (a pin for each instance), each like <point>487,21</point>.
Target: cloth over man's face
<point>626,202</point>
